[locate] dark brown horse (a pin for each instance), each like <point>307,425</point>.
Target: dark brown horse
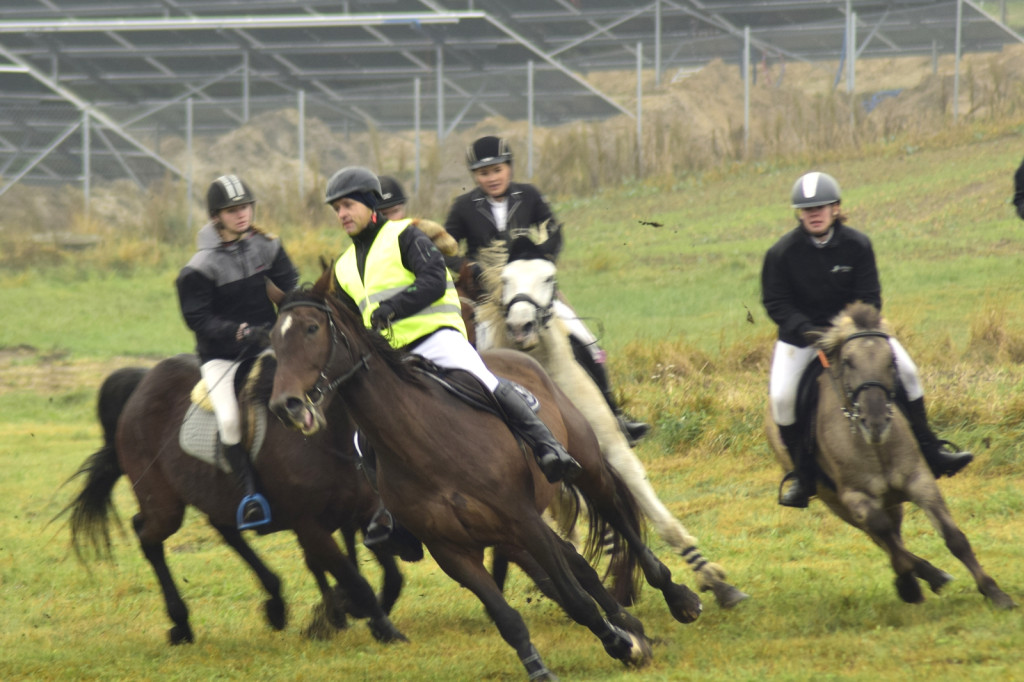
<point>456,477</point>
<point>865,447</point>
<point>312,485</point>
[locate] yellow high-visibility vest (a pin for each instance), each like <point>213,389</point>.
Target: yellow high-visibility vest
<point>385,276</point>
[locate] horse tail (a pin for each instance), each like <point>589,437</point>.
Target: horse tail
<point>93,506</point>
<point>623,563</point>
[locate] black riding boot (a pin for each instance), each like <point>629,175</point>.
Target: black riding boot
<point>253,510</point>
<point>384,532</point>
<point>554,461</point>
<point>803,474</point>
<point>633,430</point>
<point>944,458</point>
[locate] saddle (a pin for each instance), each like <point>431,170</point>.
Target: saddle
<point>460,383</point>
<point>198,435</point>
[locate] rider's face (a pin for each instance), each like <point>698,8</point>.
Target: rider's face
<point>353,215</point>
<point>818,219</point>
<point>234,221</point>
<point>494,180</point>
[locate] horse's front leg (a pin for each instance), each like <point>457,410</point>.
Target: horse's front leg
<point>323,554</point>
<point>925,493</point>
<point>466,567</point>
<point>869,515</point>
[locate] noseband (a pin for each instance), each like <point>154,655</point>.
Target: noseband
<point>543,314</point>
<point>325,385</point>
<point>851,404</point>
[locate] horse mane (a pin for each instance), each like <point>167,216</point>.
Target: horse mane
<point>855,317</point>
<point>321,292</point>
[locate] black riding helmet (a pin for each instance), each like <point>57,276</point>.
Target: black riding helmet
<point>391,192</point>
<point>227,191</point>
<point>353,180</point>
<point>488,151</point>
<point>815,189</point>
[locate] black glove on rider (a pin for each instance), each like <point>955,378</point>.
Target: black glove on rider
<point>380,319</point>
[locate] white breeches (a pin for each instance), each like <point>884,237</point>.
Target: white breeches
<point>789,363</point>
<point>449,348</point>
<point>219,376</point>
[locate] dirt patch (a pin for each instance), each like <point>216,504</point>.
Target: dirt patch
<point>25,369</point>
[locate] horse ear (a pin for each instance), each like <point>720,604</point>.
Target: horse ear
<point>274,292</point>
<point>323,285</point>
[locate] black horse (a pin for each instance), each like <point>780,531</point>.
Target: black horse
<point>312,484</point>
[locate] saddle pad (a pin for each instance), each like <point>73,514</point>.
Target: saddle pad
<point>198,435</point>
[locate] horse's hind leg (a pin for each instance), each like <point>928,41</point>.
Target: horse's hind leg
<point>927,496</point>
<point>153,550</point>
<point>606,496</point>
<point>274,607</point>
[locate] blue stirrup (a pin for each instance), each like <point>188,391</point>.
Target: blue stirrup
<point>264,507</point>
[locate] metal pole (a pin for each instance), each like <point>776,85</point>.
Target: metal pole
<point>746,91</point>
<point>302,146</point>
<point>439,59</point>
<point>189,167</point>
<point>86,160</point>
<point>851,54</point>
<point>529,119</point>
<point>657,43</point>
<point>416,128</point>
<point>956,72</point>
<point>245,87</point>
<point>639,109</point>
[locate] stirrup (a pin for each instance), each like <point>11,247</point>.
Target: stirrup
<point>264,511</point>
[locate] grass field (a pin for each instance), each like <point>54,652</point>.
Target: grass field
<point>668,274</point>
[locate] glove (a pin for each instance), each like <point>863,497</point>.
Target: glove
<point>253,337</point>
<point>380,319</point>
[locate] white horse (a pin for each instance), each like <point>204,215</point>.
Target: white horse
<point>520,289</point>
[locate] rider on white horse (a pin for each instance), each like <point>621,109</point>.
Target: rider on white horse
<point>500,209</point>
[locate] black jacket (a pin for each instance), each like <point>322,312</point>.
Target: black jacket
<point>1018,189</point>
<point>222,286</point>
<point>805,286</point>
<point>470,220</point>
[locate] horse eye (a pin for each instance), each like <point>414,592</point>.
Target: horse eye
<point>313,328</point>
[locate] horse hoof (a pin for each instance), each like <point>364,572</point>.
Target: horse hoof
<point>180,634</point>
<point>628,622</point>
<point>908,589</point>
<point>683,603</point>
<point>277,614</point>
<point>728,596</point>
<point>383,630</point>
<point>1001,600</point>
<point>640,653</point>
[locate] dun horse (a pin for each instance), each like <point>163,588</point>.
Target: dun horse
<point>868,453</point>
<point>456,477</point>
<point>521,285</point>
<point>311,484</point>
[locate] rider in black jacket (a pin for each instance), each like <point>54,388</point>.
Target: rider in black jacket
<point>500,209</point>
<point>223,299</point>
<point>808,277</point>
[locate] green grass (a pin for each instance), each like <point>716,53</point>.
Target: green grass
<point>672,302</point>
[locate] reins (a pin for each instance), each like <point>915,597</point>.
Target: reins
<point>324,385</point>
<point>849,403</point>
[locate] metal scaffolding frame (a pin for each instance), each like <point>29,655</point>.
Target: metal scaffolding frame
<point>118,75</point>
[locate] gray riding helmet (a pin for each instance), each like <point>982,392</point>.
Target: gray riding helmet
<point>351,180</point>
<point>815,189</point>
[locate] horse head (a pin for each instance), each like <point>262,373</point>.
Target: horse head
<point>528,288</point>
<point>313,342</point>
<point>862,368</point>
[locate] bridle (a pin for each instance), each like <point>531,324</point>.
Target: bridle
<point>850,404</point>
<point>325,385</point>
<point>543,314</point>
